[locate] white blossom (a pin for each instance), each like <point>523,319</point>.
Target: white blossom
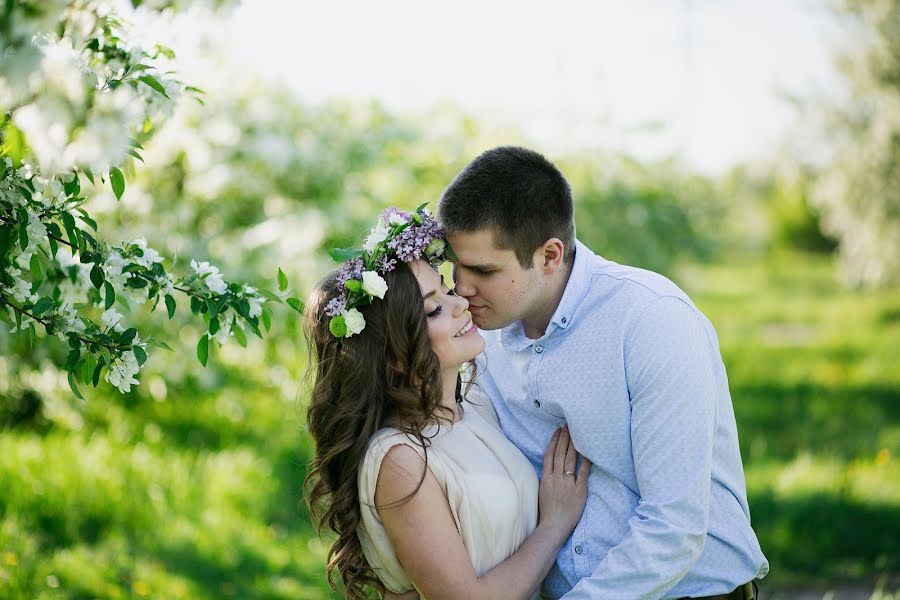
<point>150,255</point>
<point>376,236</point>
<point>213,278</point>
<point>112,318</point>
<point>255,300</point>
<point>21,289</point>
<point>354,321</point>
<point>373,284</point>
<point>122,371</point>
<point>224,332</point>
<point>71,322</point>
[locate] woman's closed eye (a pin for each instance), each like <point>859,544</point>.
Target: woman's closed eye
<point>439,308</point>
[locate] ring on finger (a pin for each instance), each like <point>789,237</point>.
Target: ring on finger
<point>568,474</point>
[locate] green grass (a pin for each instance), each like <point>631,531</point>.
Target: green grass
<point>190,488</point>
<point>814,372</point>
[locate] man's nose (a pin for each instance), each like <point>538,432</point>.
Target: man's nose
<point>461,284</point>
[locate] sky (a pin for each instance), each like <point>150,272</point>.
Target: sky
<point>705,80</point>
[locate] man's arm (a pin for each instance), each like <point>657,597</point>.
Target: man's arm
<point>672,387</point>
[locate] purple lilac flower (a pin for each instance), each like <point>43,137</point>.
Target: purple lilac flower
<point>336,306</point>
<point>352,269</point>
<point>410,244</point>
<point>393,211</point>
<point>385,264</point>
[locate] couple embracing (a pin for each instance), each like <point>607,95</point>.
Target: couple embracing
<point>555,425</point>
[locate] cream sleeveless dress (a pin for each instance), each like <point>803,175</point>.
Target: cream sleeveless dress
<point>491,488</point>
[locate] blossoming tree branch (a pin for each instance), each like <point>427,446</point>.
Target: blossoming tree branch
<point>78,98</point>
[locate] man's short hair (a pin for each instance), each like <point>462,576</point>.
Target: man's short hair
<point>518,194</point>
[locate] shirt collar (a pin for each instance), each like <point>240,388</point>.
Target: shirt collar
<point>513,337</point>
<point>576,288</point>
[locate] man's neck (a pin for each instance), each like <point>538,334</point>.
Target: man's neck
<point>536,325</point>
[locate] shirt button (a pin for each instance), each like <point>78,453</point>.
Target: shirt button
<point>563,319</point>
<point>537,403</point>
<point>538,349</point>
<point>579,549</point>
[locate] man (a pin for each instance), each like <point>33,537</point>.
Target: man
<point>623,357</point>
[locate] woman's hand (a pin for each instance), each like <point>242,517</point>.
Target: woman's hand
<point>563,491</point>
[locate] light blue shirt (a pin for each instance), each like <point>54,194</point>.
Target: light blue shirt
<point>634,368</point>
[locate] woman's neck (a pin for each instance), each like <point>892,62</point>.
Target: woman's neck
<point>448,394</point>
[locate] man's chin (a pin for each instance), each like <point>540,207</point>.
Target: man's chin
<point>486,323</point>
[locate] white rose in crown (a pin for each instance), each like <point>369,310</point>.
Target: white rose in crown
<point>377,235</point>
<point>354,321</point>
<point>373,284</point>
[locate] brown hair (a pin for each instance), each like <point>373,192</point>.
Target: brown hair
<point>389,370</point>
<point>519,195</point>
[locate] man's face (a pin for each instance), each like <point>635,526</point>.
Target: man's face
<point>498,289</point>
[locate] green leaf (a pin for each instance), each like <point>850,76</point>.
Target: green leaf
<point>136,282</point>
<point>196,90</point>
<point>134,154</point>
<point>239,335</point>
<point>135,143</point>
<point>139,354</point>
<point>73,187</point>
<point>158,344</point>
<point>84,217</point>
<point>72,359</point>
<point>74,387</point>
<point>23,235</point>
<point>344,254</point>
<point>95,378</point>
<point>269,295</point>
<point>97,277</point>
<point>354,285</point>
<point>170,305</point>
<point>89,174</point>
<point>338,326</point>
<point>38,269</point>
<point>117,181</point>
<point>296,304</point>
<point>203,349</point>
<point>127,336</point>
<point>110,295</point>
<point>87,368</point>
<point>266,317</point>
<point>213,326</point>
<point>153,83</point>
<point>212,309</point>
<point>69,223</point>
<point>42,305</point>
<point>282,280</point>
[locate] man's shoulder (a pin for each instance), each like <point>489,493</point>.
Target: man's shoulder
<point>639,284</point>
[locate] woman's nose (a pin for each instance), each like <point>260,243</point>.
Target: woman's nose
<point>462,304</point>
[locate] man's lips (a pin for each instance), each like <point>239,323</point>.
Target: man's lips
<point>475,308</point>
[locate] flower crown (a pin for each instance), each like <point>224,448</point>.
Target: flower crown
<point>398,235</point>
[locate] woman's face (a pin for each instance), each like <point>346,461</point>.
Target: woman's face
<point>454,338</point>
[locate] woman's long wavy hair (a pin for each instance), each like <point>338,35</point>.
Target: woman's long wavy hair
<point>387,371</point>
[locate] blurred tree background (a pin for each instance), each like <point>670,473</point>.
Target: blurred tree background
<point>189,485</point>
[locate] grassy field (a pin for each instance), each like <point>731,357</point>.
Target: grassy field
<point>192,491</point>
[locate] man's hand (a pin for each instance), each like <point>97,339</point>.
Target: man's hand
<point>411,595</point>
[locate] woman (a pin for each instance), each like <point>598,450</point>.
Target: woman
<point>421,487</point>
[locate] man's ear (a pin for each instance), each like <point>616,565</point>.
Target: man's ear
<point>551,255</point>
